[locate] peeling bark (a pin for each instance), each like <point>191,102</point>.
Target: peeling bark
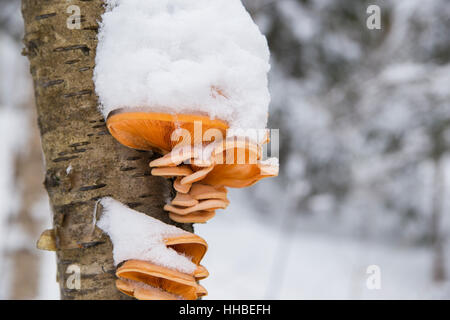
<point>83,162</point>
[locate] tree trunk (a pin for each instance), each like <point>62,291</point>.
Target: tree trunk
<point>83,162</point>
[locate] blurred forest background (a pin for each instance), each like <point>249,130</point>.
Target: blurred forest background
<point>364,118</point>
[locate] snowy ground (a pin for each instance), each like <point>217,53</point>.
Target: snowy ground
<point>246,261</point>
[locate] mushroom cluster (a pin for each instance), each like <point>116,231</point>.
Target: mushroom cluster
<point>144,280</point>
<point>203,165</point>
<point>203,162</point>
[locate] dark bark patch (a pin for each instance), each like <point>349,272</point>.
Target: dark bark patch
<point>51,83</point>
<point>78,93</point>
<point>51,180</point>
<point>133,205</point>
<point>83,48</point>
<point>79,144</point>
<point>86,245</point>
<point>125,169</point>
<point>45,16</point>
<point>94,187</point>
<point>140,175</point>
<point>133,158</point>
<point>72,61</point>
<point>62,159</point>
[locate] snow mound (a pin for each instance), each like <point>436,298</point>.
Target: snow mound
<point>137,236</point>
<point>185,57</point>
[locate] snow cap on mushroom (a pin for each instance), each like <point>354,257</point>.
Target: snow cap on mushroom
<point>183,57</point>
<point>137,236</point>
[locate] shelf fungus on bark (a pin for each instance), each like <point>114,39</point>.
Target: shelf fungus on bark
<point>145,280</point>
<point>156,261</point>
<point>176,284</point>
<point>153,131</point>
<point>47,241</point>
<point>233,162</point>
<point>201,169</point>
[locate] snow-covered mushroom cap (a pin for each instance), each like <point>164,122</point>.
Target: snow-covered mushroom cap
<point>183,57</point>
<point>136,236</point>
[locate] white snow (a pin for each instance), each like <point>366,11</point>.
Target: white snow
<point>137,236</point>
<point>268,262</point>
<point>184,57</point>
<point>274,162</point>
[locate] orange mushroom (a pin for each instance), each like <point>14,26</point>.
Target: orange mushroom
<point>201,291</point>
<point>235,163</point>
<point>206,167</point>
<point>183,188</point>
<point>141,291</point>
<point>190,245</point>
<point>205,205</point>
<point>202,192</point>
<point>201,273</point>
<point>147,281</point>
<point>169,280</point>
<point>153,131</point>
<point>180,171</point>
<point>196,204</point>
<point>184,200</point>
<point>195,217</point>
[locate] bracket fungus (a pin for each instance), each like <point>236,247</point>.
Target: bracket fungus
<point>154,131</point>
<point>179,94</point>
<point>156,260</point>
<point>206,167</point>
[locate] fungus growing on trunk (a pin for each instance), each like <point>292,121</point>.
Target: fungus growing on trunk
<point>157,261</point>
<point>153,131</point>
<point>226,162</point>
<point>178,93</point>
<point>171,281</point>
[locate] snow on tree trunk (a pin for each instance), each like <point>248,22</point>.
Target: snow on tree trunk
<point>83,162</point>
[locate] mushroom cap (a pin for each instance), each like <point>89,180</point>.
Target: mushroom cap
<point>201,291</point>
<point>138,291</point>
<point>156,294</point>
<point>182,188</point>
<point>195,217</point>
<point>180,171</point>
<point>175,158</point>
<point>190,245</point>
<point>235,175</point>
<point>237,164</point>
<point>126,287</point>
<point>184,200</point>
<point>153,131</point>
<point>201,273</point>
<point>168,280</point>
<point>212,204</point>
<point>234,162</point>
<point>200,191</point>
<point>197,176</point>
